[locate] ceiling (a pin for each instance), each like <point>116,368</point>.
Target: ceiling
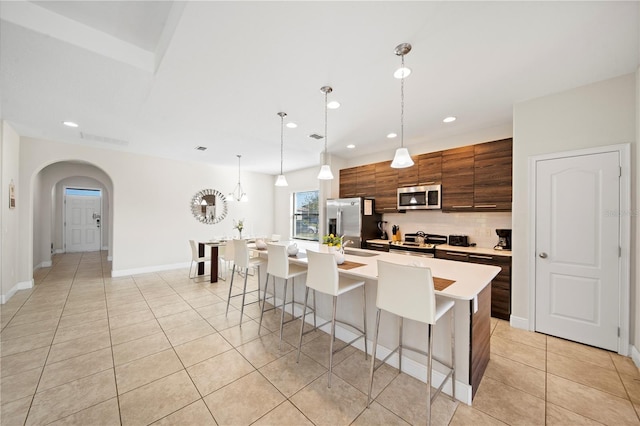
<point>161,78</point>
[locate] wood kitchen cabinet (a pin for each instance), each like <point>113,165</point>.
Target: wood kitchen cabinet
<point>430,168</point>
<point>408,176</point>
<point>492,175</point>
<point>458,179</point>
<point>386,180</point>
<point>501,284</point>
<point>348,182</point>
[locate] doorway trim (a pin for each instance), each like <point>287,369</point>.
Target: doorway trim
<point>64,212</point>
<point>624,233</point>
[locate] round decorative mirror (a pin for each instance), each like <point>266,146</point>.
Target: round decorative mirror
<point>209,206</point>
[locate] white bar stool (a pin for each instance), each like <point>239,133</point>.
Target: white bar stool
<point>242,261</point>
<point>279,267</point>
<point>322,276</point>
<point>407,291</point>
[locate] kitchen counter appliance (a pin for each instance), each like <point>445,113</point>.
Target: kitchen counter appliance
<point>418,244</point>
<point>355,218</point>
<point>504,239</point>
<point>459,240</point>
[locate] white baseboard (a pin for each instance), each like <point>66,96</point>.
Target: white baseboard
<point>411,367</point>
<point>148,269</point>
<point>635,356</point>
<point>58,251</point>
<point>45,264</point>
<point>24,285</point>
<point>104,248</point>
<point>518,322</point>
<point>110,258</point>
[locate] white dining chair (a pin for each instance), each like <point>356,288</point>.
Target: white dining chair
<point>196,258</point>
<point>323,277</point>
<point>407,291</point>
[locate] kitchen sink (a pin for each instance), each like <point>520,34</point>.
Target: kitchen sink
<point>359,253</point>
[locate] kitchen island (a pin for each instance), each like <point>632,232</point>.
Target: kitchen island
<point>470,289</point>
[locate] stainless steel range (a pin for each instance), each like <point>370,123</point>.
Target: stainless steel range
<point>418,244</point>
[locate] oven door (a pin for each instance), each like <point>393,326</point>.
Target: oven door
<point>411,252</point>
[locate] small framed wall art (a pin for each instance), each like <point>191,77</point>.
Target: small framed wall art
<point>12,195</point>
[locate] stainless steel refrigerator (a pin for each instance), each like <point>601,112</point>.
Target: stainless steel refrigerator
<point>355,218</point>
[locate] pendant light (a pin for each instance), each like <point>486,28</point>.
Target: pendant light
<point>402,158</point>
<point>281,181</point>
<point>325,170</point>
<point>238,193</point>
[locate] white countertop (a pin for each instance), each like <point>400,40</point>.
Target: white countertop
<point>470,278</point>
<point>474,250</point>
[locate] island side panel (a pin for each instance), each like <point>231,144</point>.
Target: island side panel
<point>480,338</point>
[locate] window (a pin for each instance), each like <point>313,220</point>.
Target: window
<point>305,215</point>
<point>83,192</point>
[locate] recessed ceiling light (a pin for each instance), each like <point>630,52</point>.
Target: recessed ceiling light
<point>392,135</point>
<point>402,72</point>
<point>291,125</point>
<point>333,105</point>
<point>70,124</point>
<point>449,119</point>
<point>351,146</point>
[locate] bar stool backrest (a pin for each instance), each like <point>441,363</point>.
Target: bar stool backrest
<point>278,264</point>
<point>240,253</point>
<point>322,272</point>
<point>406,291</point>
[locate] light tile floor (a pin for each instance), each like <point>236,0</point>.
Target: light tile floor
<point>84,348</point>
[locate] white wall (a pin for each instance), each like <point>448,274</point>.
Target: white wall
<point>152,219</point>
<point>10,279</point>
<point>599,114</point>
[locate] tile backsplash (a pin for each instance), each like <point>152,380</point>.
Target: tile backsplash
<point>480,227</point>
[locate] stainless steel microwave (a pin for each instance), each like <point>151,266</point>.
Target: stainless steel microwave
<point>427,197</point>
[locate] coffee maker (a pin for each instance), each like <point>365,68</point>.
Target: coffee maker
<point>504,239</point>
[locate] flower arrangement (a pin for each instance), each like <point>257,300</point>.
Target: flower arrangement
<point>332,240</point>
<point>239,225</point>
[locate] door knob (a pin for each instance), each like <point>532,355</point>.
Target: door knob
<point>543,255</point>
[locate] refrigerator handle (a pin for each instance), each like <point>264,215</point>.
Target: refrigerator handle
<point>339,224</point>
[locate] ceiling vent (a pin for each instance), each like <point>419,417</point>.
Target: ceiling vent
<point>201,148</point>
<point>315,136</point>
<point>103,139</point>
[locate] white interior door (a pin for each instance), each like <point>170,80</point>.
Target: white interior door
<point>577,247</point>
<point>82,223</point>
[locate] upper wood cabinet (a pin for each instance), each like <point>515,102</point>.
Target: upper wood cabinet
<point>430,168</point>
<point>386,188</point>
<point>492,172</point>
<point>358,181</point>
<point>458,179</point>
<point>473,178</point>
<point>366,180</point>
<point>348,182</point>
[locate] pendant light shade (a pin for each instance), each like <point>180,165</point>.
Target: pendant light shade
<point>281,180</point>
<point>238,193</point>
<point>402,159</point>
<point>325,170</point>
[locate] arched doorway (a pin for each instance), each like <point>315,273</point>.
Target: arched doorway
<point>49,218</point>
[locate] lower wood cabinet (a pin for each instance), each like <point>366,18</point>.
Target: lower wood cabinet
<point>501,284</point>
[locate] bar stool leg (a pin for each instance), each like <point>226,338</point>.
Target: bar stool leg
<point>304,313</point>
<point>333,337</point>
<point>293,294</point>
<point>429,371</point>
<point>400,345</point>
<point>453,353</point>
<point>264,301</point>
<point>284,305</point>
<point>230,287</point>
<point>373,357</point>
<point>364,320</point>
<point>315,324</point>
<point>244,293</point>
